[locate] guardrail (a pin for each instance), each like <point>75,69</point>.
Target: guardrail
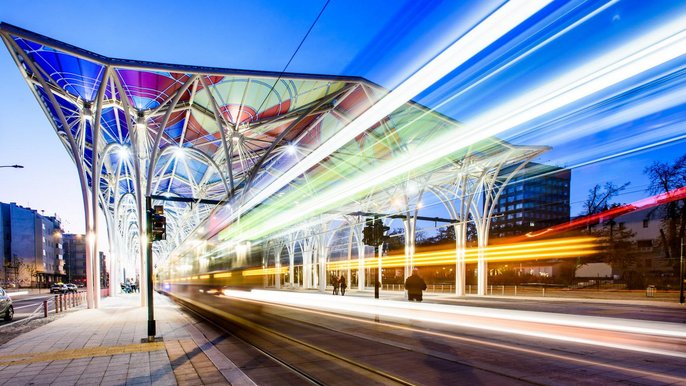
<point>61,303</point>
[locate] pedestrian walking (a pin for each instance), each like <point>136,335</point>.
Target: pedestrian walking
<point>334,281</point>
<point>414,286</point>
<point>342,283</point>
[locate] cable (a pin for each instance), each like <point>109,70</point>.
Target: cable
<point>292,56</point>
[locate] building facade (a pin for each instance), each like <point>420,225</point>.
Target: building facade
<point>646,262</point>
<point>31,247</point>
<point>75,258</point>
<point>536,198</point>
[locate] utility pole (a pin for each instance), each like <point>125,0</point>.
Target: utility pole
<point>148,255</point>
<point>155,230</point>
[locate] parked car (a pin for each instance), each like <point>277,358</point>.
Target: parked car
<point>6,308</point>
<point>58,288</point>
<point>72,287</point>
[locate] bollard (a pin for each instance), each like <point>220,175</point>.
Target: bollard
<point>491,289</point>
<point>45,308</point>
<point>502,287</point>
<point>470,289</point>
<point>543,291</point>
<point>57,311</point>
<point>515,291</point>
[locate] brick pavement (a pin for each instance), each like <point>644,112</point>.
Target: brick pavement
<point>103,347</point>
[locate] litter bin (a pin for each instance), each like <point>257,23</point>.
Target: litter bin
<point>650,291</point>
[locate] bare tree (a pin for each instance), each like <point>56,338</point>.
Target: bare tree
<point>664,178</point>
<point>599,197</point>
<point>618,239</point>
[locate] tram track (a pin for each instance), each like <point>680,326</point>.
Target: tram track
<point>282,349</point>
<point>399,346</point>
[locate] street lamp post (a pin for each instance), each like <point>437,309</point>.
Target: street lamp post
<point>12,166</point>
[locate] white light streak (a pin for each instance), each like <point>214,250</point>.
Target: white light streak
<point>489,318</point>
<point>606,71</point>
<point>507,17</point>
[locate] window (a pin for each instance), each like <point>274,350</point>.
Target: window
<point>645,223</point>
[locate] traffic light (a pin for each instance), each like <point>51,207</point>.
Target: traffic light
<point>379,230</point>
<point>368,233</point>
<point>159,224</point>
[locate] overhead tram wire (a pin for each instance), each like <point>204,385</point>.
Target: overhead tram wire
<point>278,78</point>
<point>292,56</point>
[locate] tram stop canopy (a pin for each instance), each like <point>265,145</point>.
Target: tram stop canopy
<point>245,138</point>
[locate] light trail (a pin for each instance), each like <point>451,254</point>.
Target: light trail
<point>635,57</point>
<point>480,318</point>
<point>570,247</point>
<point>528,351</point>
<point>644,203</point>
<point>500,22</point>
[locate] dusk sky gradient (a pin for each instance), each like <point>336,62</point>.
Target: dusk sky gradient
<point>382,41</point>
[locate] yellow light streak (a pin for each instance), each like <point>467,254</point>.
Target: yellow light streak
<point>264,271</point>
<point>558,248</point>
<point>221,275</point>
<point>203,277</point>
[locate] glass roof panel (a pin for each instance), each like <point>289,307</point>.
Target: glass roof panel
<point>77,76</point>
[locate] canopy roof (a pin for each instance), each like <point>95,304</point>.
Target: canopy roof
<point>142,128</point>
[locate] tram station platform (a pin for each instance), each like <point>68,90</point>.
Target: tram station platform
<point>103,347</point>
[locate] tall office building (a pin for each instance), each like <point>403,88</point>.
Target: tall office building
<point>31,247</point>
<point>75,257</point>
<point>536,198</point>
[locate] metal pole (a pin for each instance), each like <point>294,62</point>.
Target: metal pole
<point>151,314</point>
<point>377,281</point>
<point>681,273</point>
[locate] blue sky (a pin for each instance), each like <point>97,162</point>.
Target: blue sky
<point>380,40</point>
<point>383,41</point>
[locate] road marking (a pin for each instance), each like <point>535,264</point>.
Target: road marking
<point>87,352</point>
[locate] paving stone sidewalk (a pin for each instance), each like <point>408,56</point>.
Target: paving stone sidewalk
<point>103,347</point>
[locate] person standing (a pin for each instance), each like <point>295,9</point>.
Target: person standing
<point>335,282</point>
<point>342,283</point>
<point>414,286</point>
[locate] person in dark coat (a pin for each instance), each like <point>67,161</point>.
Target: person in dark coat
<point>335,282</point>
<point>414,286</point>
<point>343,284</point>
